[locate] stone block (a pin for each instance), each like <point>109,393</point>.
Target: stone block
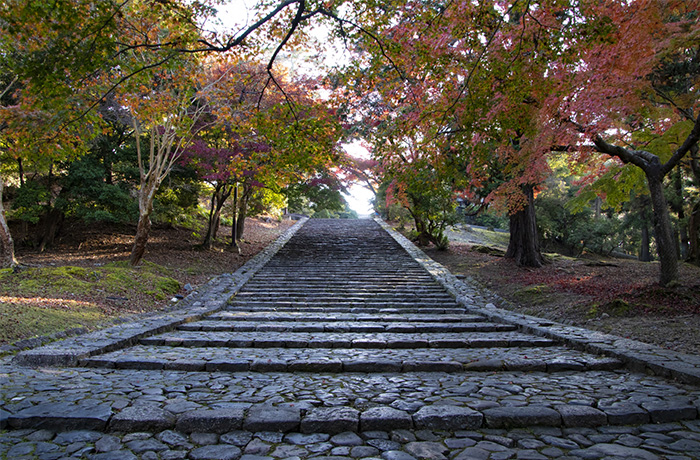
<point>626,414</point>
<point>581,416</point>
<point>432,366</point>
<point>670,411</point>
<point>385,419</point>
<point>271,418</point>
<point>450,418</point>
<point>321,365</point>
<point>485,365</point>
<point>210,421</point>
<point>331,420</point>
<point>371,366</point>
<point>268,365</point>
<point>61,417</point>
<point>523,416</point>
<point>142,418</point>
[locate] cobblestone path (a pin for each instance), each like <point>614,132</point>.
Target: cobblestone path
<point>342,344</point>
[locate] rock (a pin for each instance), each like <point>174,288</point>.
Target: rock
<point>216,452</point>
<point>347,439</point>
<point>617,450</point>
<point>427,450</point>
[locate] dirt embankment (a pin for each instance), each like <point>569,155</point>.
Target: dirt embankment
<point>617,296</point>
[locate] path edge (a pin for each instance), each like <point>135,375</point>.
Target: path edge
<point>637,356</point>
<point>205,300</point>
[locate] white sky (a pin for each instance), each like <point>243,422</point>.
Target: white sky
<point>234,16</point>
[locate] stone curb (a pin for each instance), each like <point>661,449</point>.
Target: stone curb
<point>637,356</point>
<point>206,300</point>
<point>338,419</point>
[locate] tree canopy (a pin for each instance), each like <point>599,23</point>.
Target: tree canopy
<point>458,99</point>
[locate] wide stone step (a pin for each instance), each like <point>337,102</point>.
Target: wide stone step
<point>345,309</point>
<point>138,400</point>
<point>326,291</point>
<point>276,316</point>
<point>342,300</point>
<point>331,296</point>
<point>337,360</point>
<point>234,302</point>
<point>344,326</point>
<point>324,284</point>
<point>309,419</point>
<point>237,339</point>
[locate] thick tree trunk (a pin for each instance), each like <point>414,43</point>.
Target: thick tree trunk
<point>524,246</point>
<point>52,224</point>
<point>694,235</point>
<point>7,246</point>
<point>663,231</point>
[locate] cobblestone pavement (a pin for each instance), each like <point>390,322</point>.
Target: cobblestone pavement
<point>341,344</point>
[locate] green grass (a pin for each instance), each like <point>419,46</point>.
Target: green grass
<point>45,300</point>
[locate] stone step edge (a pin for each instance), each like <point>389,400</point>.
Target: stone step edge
<point>298,417</point>
<point>208,299</point>
<point>338,343</point>
<point>343,327</point>
<point>280,317</point>
<point>637,356</point>
<point>336,366</point>
<point>431,311</point>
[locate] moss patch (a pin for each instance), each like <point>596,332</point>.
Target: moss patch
<point>533,295</point>
<point>40,301</point>
<point>28,317</point>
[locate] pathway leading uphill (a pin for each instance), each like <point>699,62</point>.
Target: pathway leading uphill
<point>347,342</point>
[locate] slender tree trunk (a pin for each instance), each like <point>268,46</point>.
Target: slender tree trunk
<point>234,220</point>
<point>663,231</point>
<point>107,162</point>
<point>242,210</point>
<point>20,171</point>
<point>218,198</point>
<point>644,253</point>
<point>7,246</point>
<point>680,231</point>
<point>524,245</point>
<point>143,229</point>
<point>206,244</point>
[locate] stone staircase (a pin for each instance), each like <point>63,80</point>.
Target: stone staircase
<point>342,330</point>
<point>345,297</point>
